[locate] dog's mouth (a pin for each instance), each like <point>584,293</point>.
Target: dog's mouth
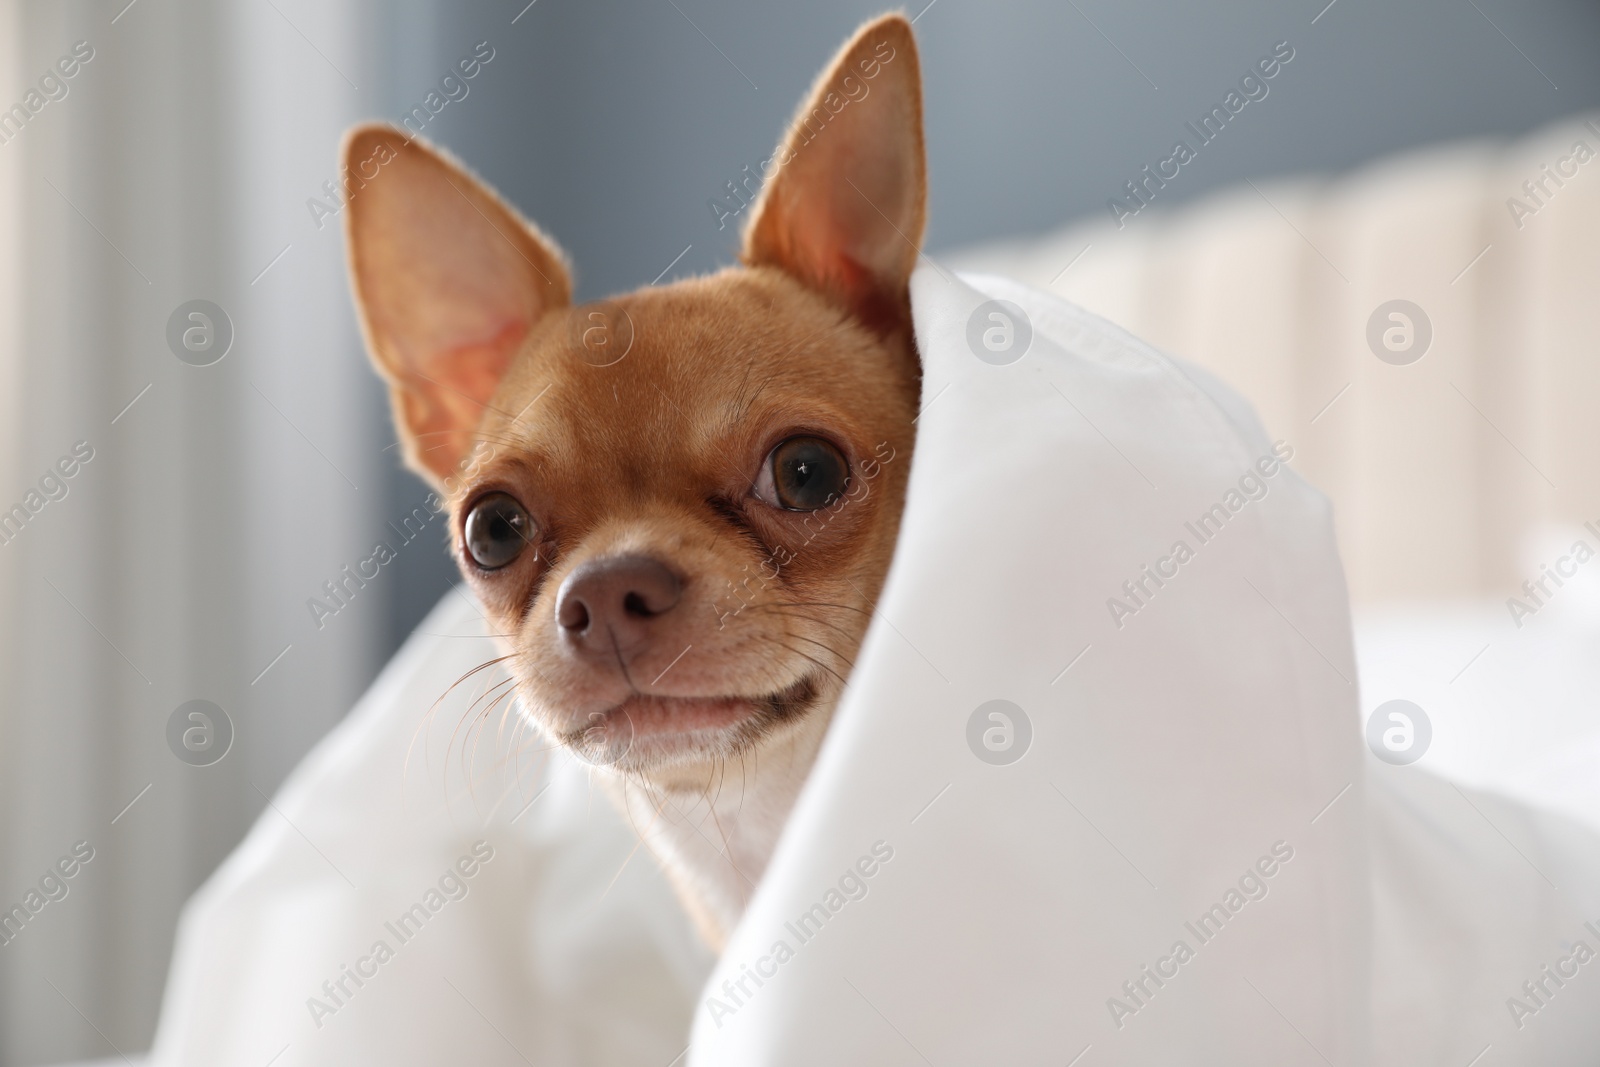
<point>687,722</point>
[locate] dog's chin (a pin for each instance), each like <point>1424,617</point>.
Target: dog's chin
<point>652,735</point>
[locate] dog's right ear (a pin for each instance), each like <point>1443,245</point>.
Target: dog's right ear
<point>448,281</point>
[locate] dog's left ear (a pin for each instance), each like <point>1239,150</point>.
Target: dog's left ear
<point>845,210</point>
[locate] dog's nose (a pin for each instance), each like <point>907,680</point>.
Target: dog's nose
<point>613,604</point>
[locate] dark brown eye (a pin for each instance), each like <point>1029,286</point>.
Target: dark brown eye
<point>497,531</point>
<point>803,474</point>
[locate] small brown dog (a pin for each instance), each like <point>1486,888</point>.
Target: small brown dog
<point>692,492</point>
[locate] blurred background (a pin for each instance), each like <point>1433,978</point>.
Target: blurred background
<point>191,156</point>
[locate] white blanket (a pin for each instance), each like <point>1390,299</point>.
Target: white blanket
<point>558,950</point>
<point>1169,846</point>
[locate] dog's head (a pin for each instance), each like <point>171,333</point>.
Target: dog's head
<point>677,506</point>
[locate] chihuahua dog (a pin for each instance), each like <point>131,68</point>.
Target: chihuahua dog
<point>677,506</point>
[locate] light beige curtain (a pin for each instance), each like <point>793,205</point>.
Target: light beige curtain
<point>1454,475</point>
<point>176,167</point>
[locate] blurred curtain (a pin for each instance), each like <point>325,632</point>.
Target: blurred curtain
<point>1457,469</point>
<point>177,166</point>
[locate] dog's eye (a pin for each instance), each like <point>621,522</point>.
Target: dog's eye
<point>497,530</point>
<point>803,474</point>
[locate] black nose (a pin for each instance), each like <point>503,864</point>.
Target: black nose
<point>612,605</point>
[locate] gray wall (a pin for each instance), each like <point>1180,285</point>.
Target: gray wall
<point>611,123</point>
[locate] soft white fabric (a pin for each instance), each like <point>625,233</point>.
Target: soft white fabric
<point>1461,924</point>
<point>1514,710</point>
<point>567,948</point>
<point>1173,755</point>
<point>1004,907</point>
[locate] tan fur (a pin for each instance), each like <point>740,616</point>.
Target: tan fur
<point>500,385</point>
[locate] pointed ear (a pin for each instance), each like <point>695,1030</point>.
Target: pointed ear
<point>448,281</point>
<point>845,210</point>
